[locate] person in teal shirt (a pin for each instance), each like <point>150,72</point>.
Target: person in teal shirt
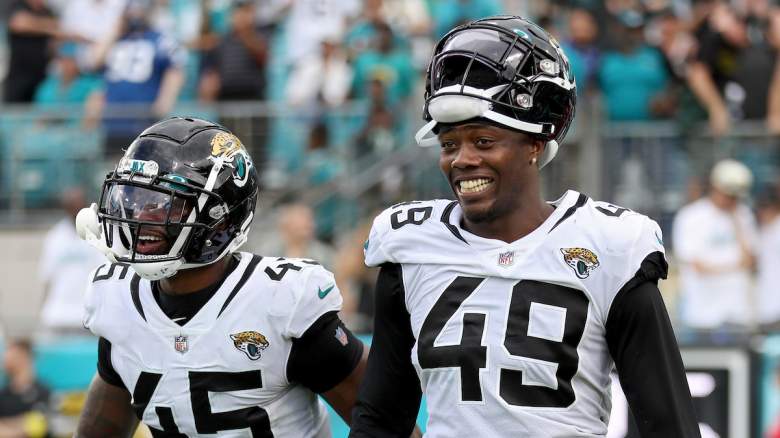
<point>633,77</point>
<point>449,13</point>
<point>386,63</point>
<point>65,84</point>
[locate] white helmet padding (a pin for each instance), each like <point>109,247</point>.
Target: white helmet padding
<point>459,103</point>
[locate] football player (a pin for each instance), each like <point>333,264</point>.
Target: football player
<point>507,311</point>
<point>197,339</point>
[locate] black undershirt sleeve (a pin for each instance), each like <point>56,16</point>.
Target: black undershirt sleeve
<point>104,367</point>
<point>642,344</point>
<point>324,355</point>
<point>389,397</point>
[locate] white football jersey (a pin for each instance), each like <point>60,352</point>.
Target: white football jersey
<point>224,371</point>
<point>510,337</point>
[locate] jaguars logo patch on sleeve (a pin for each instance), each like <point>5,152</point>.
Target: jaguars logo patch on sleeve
<point>250,342</point>
<point>582,260</point>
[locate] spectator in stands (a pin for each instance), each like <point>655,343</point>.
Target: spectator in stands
<point>296,236</point>
<point>325,79</point>
<point>773,430</point>
<point>735,74</point>
<point>768,258</point>
<point>582,49</point>
<point>143,77</point>
<point>66,262</point>
<point>757,69</point>
<point>312,21</point>
<point>64,84</point>
<point>378,134</point>
<point>720,36</point>
<point>235,69</point>
<point>449,13</point>
<point>387,63</point>
<point>376,13</point>
<point>412,19</point>
<point>355,279</point>
<point>24,402</point>
<point>672,36</point>
<point>322,165</point>
<point>31,29</point>
<point>633,77</point>
<point>714,240</point>
<point>95,21</point>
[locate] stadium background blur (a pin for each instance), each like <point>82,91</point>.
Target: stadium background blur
<point>326,95</point>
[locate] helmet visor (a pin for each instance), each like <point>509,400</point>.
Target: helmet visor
<point>146,221</point>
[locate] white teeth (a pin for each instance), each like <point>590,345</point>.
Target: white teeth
<point>150,238</point>
<point>474,185</point>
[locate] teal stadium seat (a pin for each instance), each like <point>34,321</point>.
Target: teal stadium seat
<point>40,159</point>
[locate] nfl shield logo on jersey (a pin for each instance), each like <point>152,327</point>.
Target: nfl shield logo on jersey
<point>506,258</point>
<point>180,344</point>
<point>341,336</point>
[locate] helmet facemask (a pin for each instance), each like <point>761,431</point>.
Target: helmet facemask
<point>144,222</point>
<point>152,222</point>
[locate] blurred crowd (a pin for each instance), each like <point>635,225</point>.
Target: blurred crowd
<point>688,60</point>
<point>112,67</point>
<point>118,65</point>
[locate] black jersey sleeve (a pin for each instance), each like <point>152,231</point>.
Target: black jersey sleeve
<point>642,343</point>
<point>104,366</point>
<point>324,355</point>
<point>389,397</point>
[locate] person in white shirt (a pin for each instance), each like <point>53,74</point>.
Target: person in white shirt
<point>95,21</point>
<point>66,262</point>
<point>714,240</point>
<point>312,21</point>
<point>768,260</point>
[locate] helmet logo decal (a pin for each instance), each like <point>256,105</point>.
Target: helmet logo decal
<point>229,149</point>
<point>141,167</point>
<point>225,145</point>
<point>522,34</point>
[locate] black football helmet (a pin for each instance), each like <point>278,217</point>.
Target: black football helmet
<point>182,196</point>
<point>503,69</point>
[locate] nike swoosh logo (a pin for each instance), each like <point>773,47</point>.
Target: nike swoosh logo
<point>323,293</point>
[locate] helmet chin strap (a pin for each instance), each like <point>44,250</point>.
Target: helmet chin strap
<point>157,270</point>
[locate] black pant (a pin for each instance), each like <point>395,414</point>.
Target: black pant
<point>20,88</point>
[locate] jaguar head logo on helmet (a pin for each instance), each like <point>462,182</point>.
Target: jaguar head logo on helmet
<point>169,205</point>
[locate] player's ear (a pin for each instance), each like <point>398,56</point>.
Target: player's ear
<point>537,149</point>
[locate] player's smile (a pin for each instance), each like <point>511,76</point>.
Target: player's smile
<point>152,241</point>
<point>472,185</point>
<point>472,189</point>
